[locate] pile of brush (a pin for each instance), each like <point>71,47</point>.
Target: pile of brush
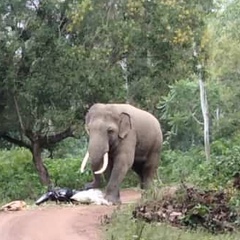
<point>191,207</point>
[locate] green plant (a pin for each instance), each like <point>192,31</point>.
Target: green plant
<point>65,173</point>
<point>179,165</point>
<point>18,178</point>
<point>224,163</point>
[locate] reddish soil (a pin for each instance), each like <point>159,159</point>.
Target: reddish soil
<point>51,222</point>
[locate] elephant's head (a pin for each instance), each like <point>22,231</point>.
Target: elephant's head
<point>106,127</point>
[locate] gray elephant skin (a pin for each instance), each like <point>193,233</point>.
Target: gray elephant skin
<point>121,137</point>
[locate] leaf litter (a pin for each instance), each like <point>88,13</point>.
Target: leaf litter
<point>192,208</point>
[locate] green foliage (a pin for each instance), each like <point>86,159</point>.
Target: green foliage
<point>18,177</point>
<point>131,180</point>
<point>152,36</point>
<point>70,148</point>
<point>223,62</point>
<point>65,173</point>
<point>219,172</point>
<point>182,116</point>
<point>179,165</point>
<point>190,166</point>
<point>227,126</point>
<point>182,113</point>
<point>224,42</point>
<point>37,78</point>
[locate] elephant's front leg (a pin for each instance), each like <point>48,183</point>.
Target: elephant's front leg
<point>122,163</point>
<point>96,183</point>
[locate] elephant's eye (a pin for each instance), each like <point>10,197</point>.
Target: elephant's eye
<point>110,130</point>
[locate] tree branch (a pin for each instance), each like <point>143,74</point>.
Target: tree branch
<point>193,116</point>
<point>15,141</point>
<point>18,114</point>
<point>46,141</point>
<point>34,4</point>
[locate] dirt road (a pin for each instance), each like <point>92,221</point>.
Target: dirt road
<point>80,222</point>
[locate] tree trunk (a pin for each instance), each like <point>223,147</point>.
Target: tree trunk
<point>38,162</point>
<point>124,66</point>
<point>205,113</point>
<point>203,98</point>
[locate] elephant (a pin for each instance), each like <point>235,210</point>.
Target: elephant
<point>121,137</point>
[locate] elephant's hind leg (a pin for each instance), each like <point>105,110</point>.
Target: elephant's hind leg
<point>138,169</point>
<point>149,170</point>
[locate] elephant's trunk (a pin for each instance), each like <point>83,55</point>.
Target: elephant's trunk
<point>97,153</point>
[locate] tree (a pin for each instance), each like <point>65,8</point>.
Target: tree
<point>154,38</point>
<point>39,101</point>
<point>223,65</point>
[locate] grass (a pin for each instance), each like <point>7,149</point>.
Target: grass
<point>123,227</point>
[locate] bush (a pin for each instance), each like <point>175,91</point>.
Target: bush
<point>65,172</point>
<point>179,165</point>
<point>18,178</point>
<point>191,166</point>
<point>224,163</point>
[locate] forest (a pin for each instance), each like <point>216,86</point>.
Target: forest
<point>178,60</point>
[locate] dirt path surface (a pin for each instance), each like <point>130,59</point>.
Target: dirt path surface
<point>82,222</point>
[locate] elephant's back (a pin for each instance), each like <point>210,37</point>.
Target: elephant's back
<point>137,115</point>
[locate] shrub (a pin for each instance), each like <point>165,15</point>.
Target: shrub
<point>179,165</point>
<point>191,165</point>
<point>224,163</point>
<point>18,178</point>
<point>65,172</point>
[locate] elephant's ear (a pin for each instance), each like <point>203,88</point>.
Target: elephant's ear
<point>87,118</point>
<point>86,129</point>
<point>125,125</point>
<point>87,121</point>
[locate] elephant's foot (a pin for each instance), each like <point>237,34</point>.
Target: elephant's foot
<point>113,196</point>
<point>113,200</point>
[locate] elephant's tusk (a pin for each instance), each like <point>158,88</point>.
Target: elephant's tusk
<point>84,162</point>
<point>104,166</point>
